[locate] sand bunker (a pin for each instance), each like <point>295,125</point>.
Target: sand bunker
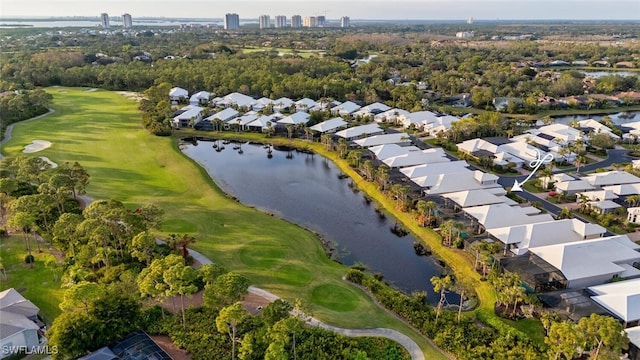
<point>48,161</point>
<point>35,146</point>
<point>91,90</point>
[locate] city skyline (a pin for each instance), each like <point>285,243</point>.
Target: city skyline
<point>334,9</point>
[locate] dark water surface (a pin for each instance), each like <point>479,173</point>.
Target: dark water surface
<point>307,190</point>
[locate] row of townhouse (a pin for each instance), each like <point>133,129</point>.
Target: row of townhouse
<point>378,112</point>
<point>574,254</point>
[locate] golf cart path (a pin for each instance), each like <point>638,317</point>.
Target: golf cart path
<point>403,340</point>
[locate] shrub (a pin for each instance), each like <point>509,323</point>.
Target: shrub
<point>29,259</point>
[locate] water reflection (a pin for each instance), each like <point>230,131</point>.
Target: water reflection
<point>308,190</point>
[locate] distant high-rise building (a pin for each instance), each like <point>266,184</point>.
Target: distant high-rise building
<point>310,21</point>
<point>470,20</point>
<point>232,22</point>
<point>104,20</point>
<point>127,22</point>
<point>321,20</point>
<point>281,21</point>
<point>296,21</point>
<point>265,21</point>
<point>345,22</point>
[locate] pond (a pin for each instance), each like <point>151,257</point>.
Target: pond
<point>620,118</point>
<point>598,74</point>
<point>310,191</point>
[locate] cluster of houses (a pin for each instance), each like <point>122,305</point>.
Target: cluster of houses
<point>20,326</point>
<point>243,111</point>
<point>570,253</point>
<point>579,254</point>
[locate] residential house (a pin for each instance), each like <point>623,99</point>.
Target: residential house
<point>282,104</point>
<point>478,197</point>
<point>390,116</point>
<point>300,117</point>
<point>418,119</point>
<point>558,63</point>
<point>200,98</point>
<point>555,178</point>
<point>393,138</point>
<point>361,131</point>
<point>442,123</point>
<point>264,122</point>
<point>624,189</point>
<point>178,94</point>
<point>520,238</point>
<point>599,195</point>
<point>611,178</point>
<point>621,299</point>
<point>633,334</point>
<point>579,63</point>
<point>371,110</point>
<point>501,103</point>
<point>305,104</point>
<point>633,215</point>
<point>636,164</point>
<point>596,127</point>
<point>418,171</point>
<point>19,323</point>
<point>457,181</point>
<point>386,151</point>
<point>261,103</point>
<point>330,126</point>
<point>503,215</point>
<point>592,262</point>
<point>345,109</point>
<point>187,116</point>
<point>239,100</point>
<point>601,63</point>
<point>412,158</point>
<point>569,188</point>
<point>604,206</point>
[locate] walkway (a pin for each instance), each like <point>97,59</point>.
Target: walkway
<point>9,129</point>
<point>403,340</point>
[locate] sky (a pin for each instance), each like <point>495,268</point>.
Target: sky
<point>334,9</point>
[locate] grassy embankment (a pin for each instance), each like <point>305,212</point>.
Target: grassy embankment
<point>102,131</point>
<point>35,284</point>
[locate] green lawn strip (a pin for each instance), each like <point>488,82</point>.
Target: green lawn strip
<point>35,284</point>
<point>530,326</point>
<point>102,131</point>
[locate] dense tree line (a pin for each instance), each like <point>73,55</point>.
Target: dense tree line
<point>21,105</point>
<point>215,62</point>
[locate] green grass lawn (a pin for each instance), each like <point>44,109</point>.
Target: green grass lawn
<point>37,283</point>
<point>530,326</point>
<point>102,131</point>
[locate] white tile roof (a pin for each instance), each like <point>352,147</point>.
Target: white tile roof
<point>386,151</point>
<point>611,178</point>
<point>503,215</point>
<point>479,197</point>
<point>390,115</point>
<point>224,115</point>
<point>329,125</point>
<point>300,117</point>
<point>394,138</point>
<point>427,156</point>
<point>359,130</point>
<point>625,189</point>
<point>545,233</point>
<point>346,108</point>
<point>599,195</point>
<point>588,262</point>
<point>178,92</point>
<point>575,185</point>
<point>452,182</point>
<point>604,205</point>
<point>435,168</point>
<point>621,298</point>
<point>192,111</point>
<point>239,99</point>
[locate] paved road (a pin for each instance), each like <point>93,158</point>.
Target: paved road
<point>403,340</point>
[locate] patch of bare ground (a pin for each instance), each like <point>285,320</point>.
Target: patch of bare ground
<point>170,348</point>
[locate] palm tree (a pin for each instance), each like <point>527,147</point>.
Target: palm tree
<point>289,130</point>
<point>383,176</point>
<point>425,211</point>
<point>565,213</point>
<point>584,202</point>
<point>449,230</point>
<point>441,285</point>
<point>326,140</point>
<point>546,173</point>
<point>633,200</point>
<point>579,161</point>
